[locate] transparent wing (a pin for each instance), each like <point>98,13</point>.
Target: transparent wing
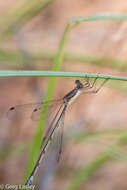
<point>31,110</point>
<point>51,125</point>
<point>57,141</point>
<point>56,123</point>
<point>60,138</point>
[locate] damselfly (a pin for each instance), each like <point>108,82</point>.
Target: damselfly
<point>63,103</point>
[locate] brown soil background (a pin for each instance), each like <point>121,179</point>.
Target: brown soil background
<point>95,112</point>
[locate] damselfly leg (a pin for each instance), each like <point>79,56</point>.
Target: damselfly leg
<point>88,84</point>
<point>91,87</point>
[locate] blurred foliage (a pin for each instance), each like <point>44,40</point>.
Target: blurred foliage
<point>20,14</point>
<point>100,160</point>
<point>13,59</point>
<point>24,12</point>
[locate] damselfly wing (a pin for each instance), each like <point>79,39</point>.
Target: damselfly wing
<point>31,110</point>
<point>57,119</point>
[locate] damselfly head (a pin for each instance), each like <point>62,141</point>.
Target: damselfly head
<point>79,84</point>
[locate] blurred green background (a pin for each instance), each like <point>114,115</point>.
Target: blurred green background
<point>95,134</point>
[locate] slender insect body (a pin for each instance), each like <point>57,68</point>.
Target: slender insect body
<point>67,101</point>
<point>73,94</point>
<point>41,156</point>
<point>30,180</point>
<point>42,153</point>
<point>70,95</point>
<point>73,99</point>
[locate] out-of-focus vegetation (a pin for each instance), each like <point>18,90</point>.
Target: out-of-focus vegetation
<point>34,36</point>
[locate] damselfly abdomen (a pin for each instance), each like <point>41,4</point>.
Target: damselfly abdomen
<point>62,105</point>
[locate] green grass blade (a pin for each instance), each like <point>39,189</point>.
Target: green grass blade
<point>42,121</point>
<point>13,73</point>
<point>97,17</point>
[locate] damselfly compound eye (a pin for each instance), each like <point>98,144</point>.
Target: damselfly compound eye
<point>79,84</point>
<point>77,81</point>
